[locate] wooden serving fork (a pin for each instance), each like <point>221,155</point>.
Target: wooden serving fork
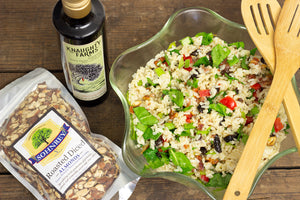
<point>260,17</point>
<point>287,42</point>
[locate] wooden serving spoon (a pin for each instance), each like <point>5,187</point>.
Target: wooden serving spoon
<point>287,42</point>
<point>260,17</point>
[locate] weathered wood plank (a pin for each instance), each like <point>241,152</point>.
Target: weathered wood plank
<point>157,189</point>
<point>30,40</point>
<point>267,188</point>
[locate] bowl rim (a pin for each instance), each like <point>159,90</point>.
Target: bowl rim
<point>126,106</point>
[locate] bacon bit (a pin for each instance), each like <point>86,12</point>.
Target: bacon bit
<point>173,114</point>
<point>248,120</point>
<point>188,69</point>
<point>254,61</point>
<point>255,95</point>
<point>186,146</point>
<point>188,58</point>
<point>240,100</point>
<point>205,69</point>
<point>146,97</point>
<point>201,165</point>
<point>263,66</point>
<point>199,157</point>
<point>188,103</point>
<point>131,109</point>
<point>200,126</point>
<point>224,62</point>
<point>201,99</point>
<point>251,76</point>
<point>196,90</point>
<point>188,117</point>
<point>213,161</point>
<point>164,140</point>
<point>160,60</point>
<point>266,83</point>
<point>269,77</point>
<point>227,67</point>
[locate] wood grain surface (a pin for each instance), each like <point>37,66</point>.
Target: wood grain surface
<point>29,40</point>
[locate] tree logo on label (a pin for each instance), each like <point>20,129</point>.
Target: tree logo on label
<point>40,137</point>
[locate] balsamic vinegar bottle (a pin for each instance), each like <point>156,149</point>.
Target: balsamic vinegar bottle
<point>81,27</point>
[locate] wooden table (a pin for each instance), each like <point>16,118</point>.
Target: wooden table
<point>29,40</point>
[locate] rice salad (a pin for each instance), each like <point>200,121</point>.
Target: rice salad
<point>193,106</point>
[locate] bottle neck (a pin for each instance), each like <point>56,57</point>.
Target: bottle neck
<point>77,9</point>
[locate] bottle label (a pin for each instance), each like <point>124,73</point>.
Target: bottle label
<point>86,69</point>
<point>57,151</point>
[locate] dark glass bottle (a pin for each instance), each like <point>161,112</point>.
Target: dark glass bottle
<point>83,44</point>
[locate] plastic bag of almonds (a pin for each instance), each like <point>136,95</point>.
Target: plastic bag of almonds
<point>45,142</point>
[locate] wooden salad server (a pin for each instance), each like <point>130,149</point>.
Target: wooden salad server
<point>262,34</point>
<point>261,29</point>
<point>287,42</point>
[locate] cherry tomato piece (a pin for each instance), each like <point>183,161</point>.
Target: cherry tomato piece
<point>204,93</point>
<point>256,86</point>
<point>278,125</point>
<point>228,102</point>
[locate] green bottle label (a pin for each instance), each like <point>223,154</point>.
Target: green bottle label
<point>86,69</point>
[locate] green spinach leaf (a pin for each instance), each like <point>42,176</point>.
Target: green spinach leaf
<point>202,61</point>
<point>238,44</point>
<point>170,126</point>
<point>253,51</point>
<point>176,96</point>
<point>179,159</point>
<point>144,116</point>
<point>220,108</point>
<point>192,83</point>
<point>203,132</point>
<point>153,160</point>
<point>233,61</point>
<point>218,54</point>
<point>150,83</point>
<point>243,63</point>
<point>159,71</point>
<point>219,181</point>
<point>206,37</point>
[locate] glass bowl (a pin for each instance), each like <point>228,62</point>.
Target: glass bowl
<point>185,22</point>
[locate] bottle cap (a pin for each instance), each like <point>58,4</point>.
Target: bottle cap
<point>77,9</point>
